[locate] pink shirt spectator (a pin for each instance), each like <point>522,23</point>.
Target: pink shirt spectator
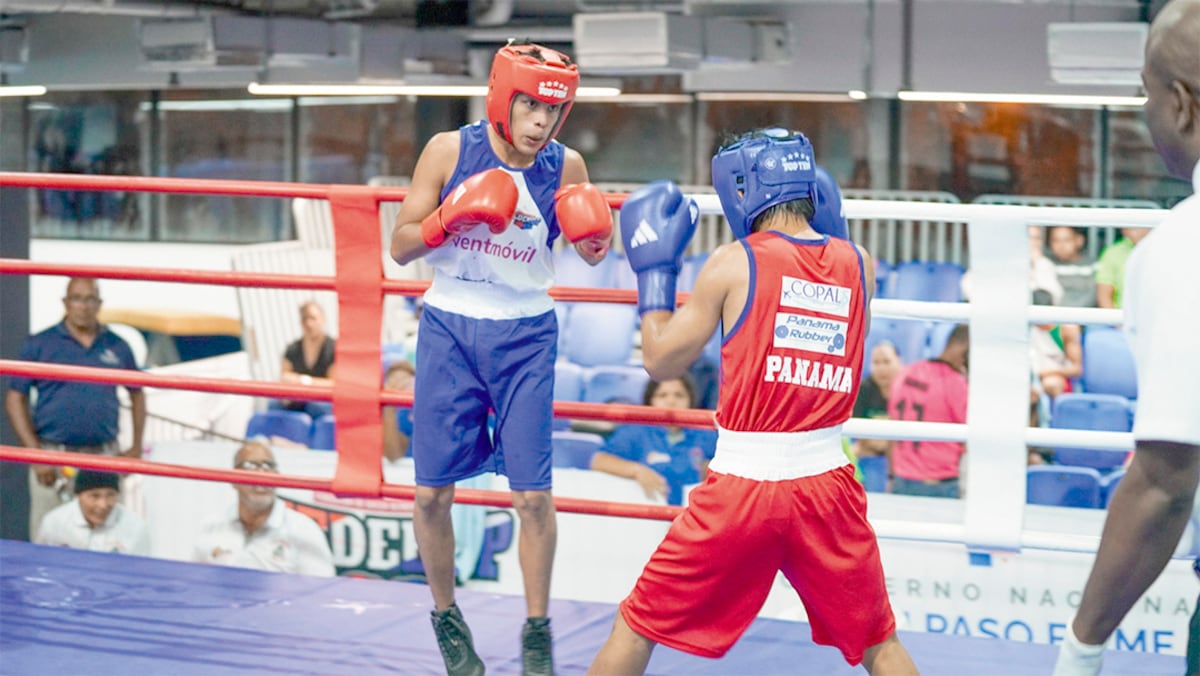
<point>928,391</point>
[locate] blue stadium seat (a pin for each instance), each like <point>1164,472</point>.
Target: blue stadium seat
<point>928,280</point>
<point>293,425</point>
<point>939,333</point>
<point>1062,486</point>
<point>599,333</point>
<point>571,270</point>
<point>575,449</point>
<point>911,338</point>
<point>562,312</point>
<point>874,472</point>
<point>1108,363</point>
<point>1087,411</point>
<point>689,271</point>
<point>321,438</point>
<point>568,381</point>
<point>712,349</point>
<point>615,383</point>
<point>1108,484</point>
<point>621,276</point>
<point>884,279</point>
<point>568,386</point>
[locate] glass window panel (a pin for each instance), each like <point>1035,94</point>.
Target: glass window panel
<point>354,139</point>
<point>224,135</point>
<point>631,142</point>
<point>12,133</point>
<point>838,131</point>
<point>971,149</point>
<point>1135,169</point>
<point>88,133</point>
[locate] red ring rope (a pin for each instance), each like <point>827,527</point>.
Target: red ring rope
<point>360,293</point>
<point>242,476</point>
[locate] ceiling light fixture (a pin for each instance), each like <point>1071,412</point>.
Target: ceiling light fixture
<point>18,90</point>
<point>805,97</point>
<point>22,90</point>
<point>259,89</point>
<point>1043,99</point>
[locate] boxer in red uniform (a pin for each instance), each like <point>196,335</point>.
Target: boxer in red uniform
<point>780,493</point>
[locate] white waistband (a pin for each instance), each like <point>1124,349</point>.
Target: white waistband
<point>486,300</point>
<point>778,456</point>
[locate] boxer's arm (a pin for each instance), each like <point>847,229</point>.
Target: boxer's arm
<point>673,341</point>
<point>433,170</point>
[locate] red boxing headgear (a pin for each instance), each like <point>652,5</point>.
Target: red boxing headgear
<point>540,72</point>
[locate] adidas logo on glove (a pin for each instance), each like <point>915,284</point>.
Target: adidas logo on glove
<point>644,234</point>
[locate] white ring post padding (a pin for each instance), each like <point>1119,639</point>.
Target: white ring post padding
<point>994,510</point>
<point>999,384</point>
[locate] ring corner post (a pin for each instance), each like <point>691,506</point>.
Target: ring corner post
<point>356,390</point>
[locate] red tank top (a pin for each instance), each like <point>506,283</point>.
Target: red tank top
<point>791,363</point>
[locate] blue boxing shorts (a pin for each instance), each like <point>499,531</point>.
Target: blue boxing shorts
<point>466,366</point>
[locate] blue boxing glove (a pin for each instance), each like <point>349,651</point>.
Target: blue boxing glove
<point>657,222</point>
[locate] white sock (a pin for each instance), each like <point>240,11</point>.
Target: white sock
<point>1076,658</point>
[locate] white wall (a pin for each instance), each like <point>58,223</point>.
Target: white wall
<point>46,292</point>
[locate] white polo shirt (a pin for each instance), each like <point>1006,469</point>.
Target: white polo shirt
<point>1162,292</point>
<point>123,532</point>
<point>289,542</point>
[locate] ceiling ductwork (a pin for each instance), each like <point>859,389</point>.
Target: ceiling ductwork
<point>879,47</point>
<point>163,8</point>
<point>210,41</point>
<point>637,42</point>
<point>1096,53</point>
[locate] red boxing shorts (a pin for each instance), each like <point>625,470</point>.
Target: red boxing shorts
<point>711,575</point>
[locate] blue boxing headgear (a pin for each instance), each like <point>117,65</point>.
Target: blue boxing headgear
<point>829,216</point>
<point>762,169</point>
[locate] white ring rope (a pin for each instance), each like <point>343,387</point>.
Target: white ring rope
<point>993,514</point>
<point>966,213</point>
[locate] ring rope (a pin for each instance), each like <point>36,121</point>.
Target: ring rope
<point>356,226</point>
<point>629,413</point>
<point>242,476</point>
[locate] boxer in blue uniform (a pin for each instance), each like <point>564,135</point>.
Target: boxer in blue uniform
<point>487,202</point>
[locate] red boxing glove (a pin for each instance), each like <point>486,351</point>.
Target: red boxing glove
<point>584,216</point>
<point>489,197</point>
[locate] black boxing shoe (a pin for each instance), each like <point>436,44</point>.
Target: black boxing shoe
<point>537,657</point>
<point>454,640</point>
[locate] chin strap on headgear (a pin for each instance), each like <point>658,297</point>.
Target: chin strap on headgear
<point>540,72</point>
<point>762,169</point>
